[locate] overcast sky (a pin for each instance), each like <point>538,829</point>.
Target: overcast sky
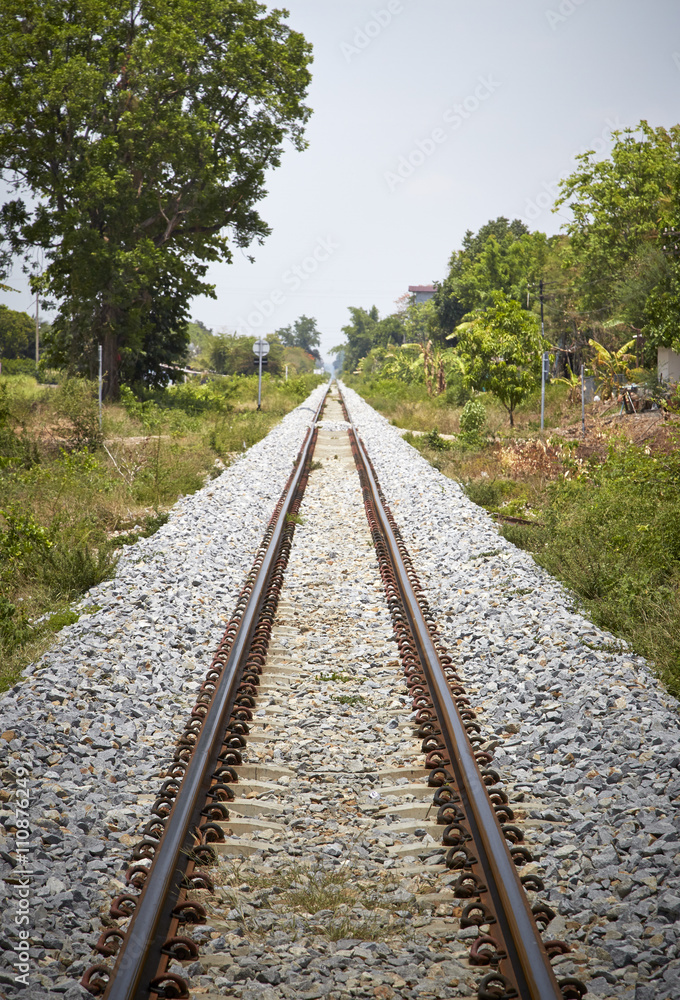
<point>431,118</point>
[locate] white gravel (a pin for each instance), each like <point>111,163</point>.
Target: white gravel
<point>589,742</point>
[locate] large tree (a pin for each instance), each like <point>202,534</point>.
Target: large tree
<point>621,207</point>
<point>142,131</point>
<point>502,256</point>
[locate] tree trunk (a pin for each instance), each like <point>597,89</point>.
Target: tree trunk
<point>110,364</point>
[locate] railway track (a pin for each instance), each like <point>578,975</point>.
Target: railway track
<point>332,783</point>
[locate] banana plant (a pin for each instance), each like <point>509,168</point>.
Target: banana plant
<point>609,364</point>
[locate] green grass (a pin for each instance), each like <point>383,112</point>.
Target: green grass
<point>72,494</point>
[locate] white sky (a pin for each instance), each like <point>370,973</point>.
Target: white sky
<point>538,81</point>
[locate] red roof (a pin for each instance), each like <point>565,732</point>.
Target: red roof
<point>421,288</point>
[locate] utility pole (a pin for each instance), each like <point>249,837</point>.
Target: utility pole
<point>37,328</point>
<point>545,360</point>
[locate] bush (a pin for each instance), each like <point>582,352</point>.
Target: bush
<point>473,417</point>
<point>75,403</point>
<point>18,366</point>
<point>17,449</point>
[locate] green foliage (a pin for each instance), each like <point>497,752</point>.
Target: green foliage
<point>303,333</point>
<point>233,355</point>
<point>613,536</point>
<point>15,628</point>
<point>65,563</point>
<point>473,417</point>
<point>17,448</point>
<point>620,207</point>
<point>435,441</point>
<point>142,135</point>
<point>500,351</point>
<point>193,397</point>
<point>502,257</point>
<point>18,366</point>
<point>61,619</point>
<point>365,331</point>
<point>75,401</point>
<point>493,494</point>
<point>17,334</point>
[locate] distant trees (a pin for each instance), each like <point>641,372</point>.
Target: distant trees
<point>302,333</point>
<point>233,355</point>
<point>502,256</point>
<point>613,273</point>
<point>17,334</point>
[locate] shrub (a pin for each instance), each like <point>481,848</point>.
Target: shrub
<point>18,366</point>
<point>75,401</point>
<point>473,417</point>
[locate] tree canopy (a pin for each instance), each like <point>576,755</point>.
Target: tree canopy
<point>626,272</point>
<point>302,333</point>
<point>502,256</point>
<point>17,334</point>
<point>142,133</point>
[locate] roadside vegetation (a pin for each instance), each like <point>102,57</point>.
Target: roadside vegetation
<point>71,494</point>
<point>601,513</point>
<point>462,373</point>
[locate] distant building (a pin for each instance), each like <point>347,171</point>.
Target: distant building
<point>421,293</point>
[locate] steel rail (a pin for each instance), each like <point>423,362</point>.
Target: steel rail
<point>526,953</point>
<point>137,959</point>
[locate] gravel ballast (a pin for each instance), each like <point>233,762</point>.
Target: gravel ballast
<point>588,741</point>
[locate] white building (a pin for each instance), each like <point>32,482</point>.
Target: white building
<point>667,364</point>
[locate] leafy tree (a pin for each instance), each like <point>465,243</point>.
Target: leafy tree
<point>17,334</point>
<point>500,350</point>
<point>502,257</point>
<point>367,331</point>
<point>360,334</point>
<point>620,207</point>
<point>421,323</point>
<point>303,333</point>
<point>142,133</point>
